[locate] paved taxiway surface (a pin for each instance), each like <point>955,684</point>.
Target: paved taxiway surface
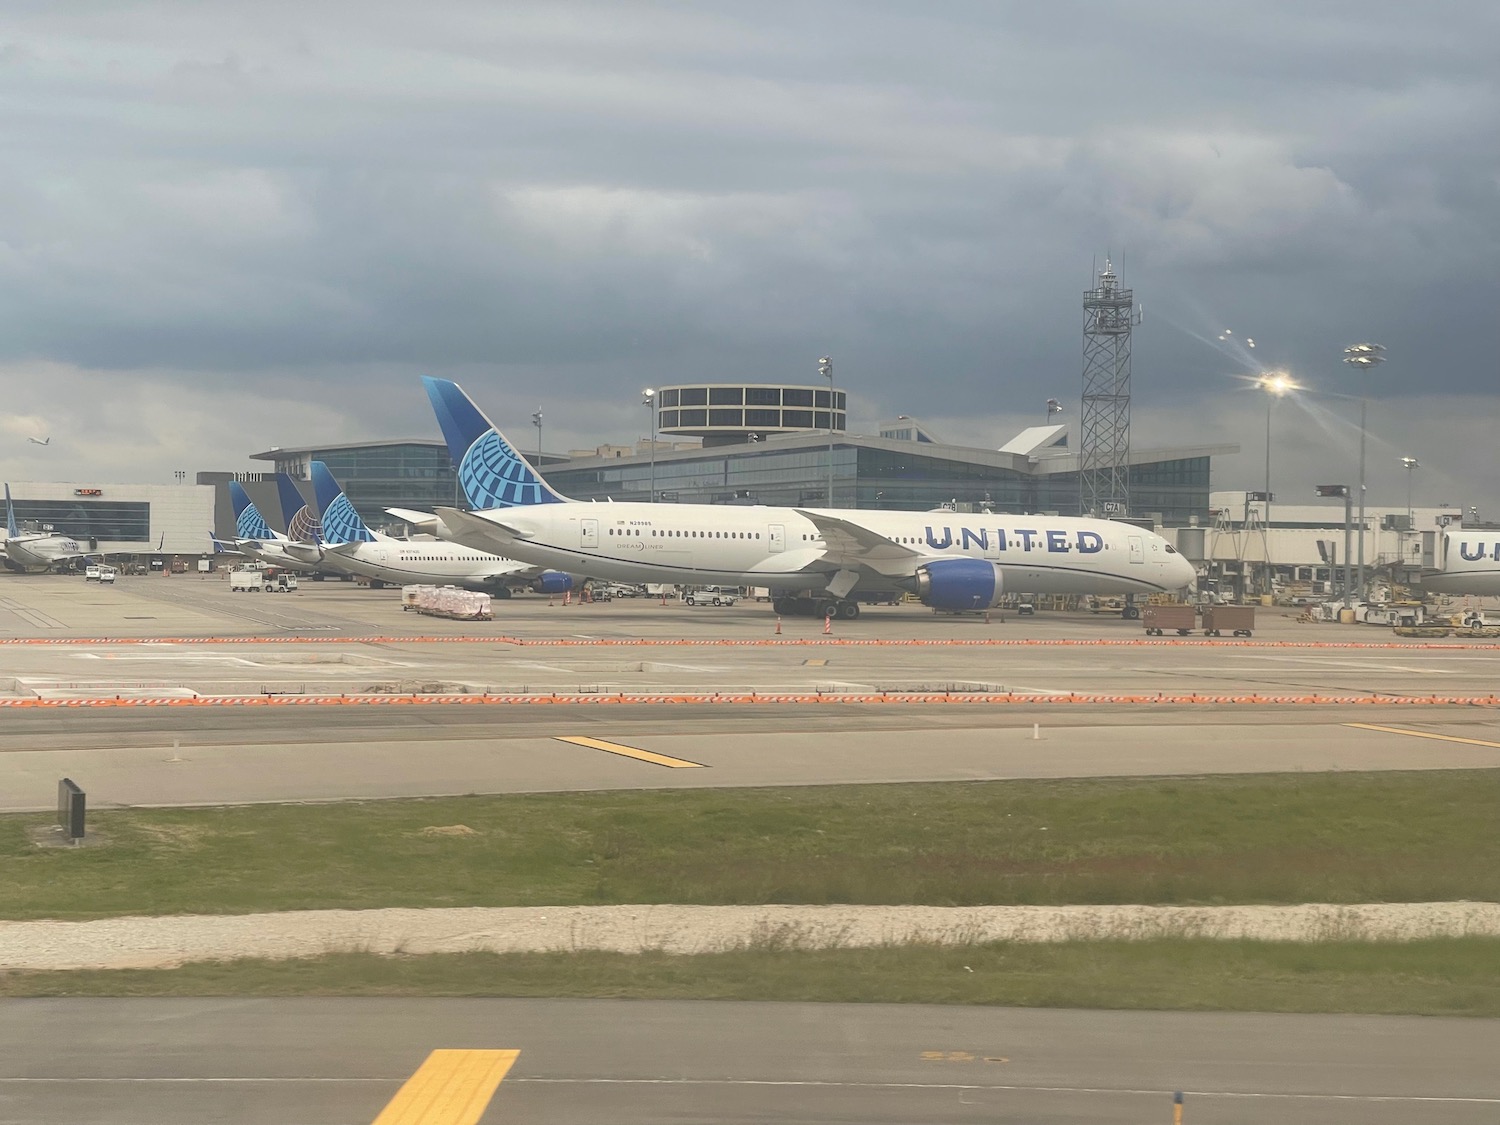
<point>337,1062</point>
<point>294,644</point>
<point>166,757</point>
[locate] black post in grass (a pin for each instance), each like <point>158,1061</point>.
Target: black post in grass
<point>71,806</point>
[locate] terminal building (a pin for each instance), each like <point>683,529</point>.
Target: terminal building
<point>774,444</point>
<point>168,519</point>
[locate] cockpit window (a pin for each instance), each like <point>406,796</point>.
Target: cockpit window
<point>1171,550</point>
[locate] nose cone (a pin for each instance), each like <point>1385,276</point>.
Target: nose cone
<point>1181,572</point>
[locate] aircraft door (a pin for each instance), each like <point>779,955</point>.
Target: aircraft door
<point>1137,549</point>
<point>588,533</point>
<point>776,534</point>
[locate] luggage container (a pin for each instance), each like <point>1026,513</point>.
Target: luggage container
<point>1157,618</point>
<point>1238,619</point>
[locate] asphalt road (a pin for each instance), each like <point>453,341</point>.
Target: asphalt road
<point>181,757</point>
<point>325,1061</point>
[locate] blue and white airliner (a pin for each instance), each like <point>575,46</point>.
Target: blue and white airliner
<point>813,560</point>
<point>348,545</point>
<point>39,550</point>
<point>1470,564</point>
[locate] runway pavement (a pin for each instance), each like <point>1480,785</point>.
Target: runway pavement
<point>325,1061</point>
<point>295,645</point>
<point>170,763</point>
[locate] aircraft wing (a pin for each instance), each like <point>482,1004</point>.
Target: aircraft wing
<point>420,521</point>
<point>851,544</point>
<point>477,531</point>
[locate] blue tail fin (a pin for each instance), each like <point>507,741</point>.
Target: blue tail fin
<point>341,523</point>
<point>248,522</point>
<point>491,472</point>
<point>300,516</point>
<point>11,531</point>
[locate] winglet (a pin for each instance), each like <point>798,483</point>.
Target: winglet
<point>11,531</point>
<point>492,473</point>
<point>339,521</point>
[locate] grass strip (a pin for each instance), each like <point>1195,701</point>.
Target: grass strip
<point>1449,976</point>
<point>1285,838</point>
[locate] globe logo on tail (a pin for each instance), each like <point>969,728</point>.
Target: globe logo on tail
<point>304,526</point>
<point>341,523</point>
<point>250,525</point>
<point>493,476</point>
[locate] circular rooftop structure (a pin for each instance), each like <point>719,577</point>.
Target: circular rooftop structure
<point>734,413</point>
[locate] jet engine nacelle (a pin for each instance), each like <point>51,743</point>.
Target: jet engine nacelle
<point>959,584</point>
<point>552,582</point>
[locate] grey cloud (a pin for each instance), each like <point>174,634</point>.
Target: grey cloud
<point>573,201</point>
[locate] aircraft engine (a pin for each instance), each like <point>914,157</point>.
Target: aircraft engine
<point>552,582</point>
<point>959,584</point>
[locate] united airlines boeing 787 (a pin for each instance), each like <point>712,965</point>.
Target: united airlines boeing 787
<point>812,559</point>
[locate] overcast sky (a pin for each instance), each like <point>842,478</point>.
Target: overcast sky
<point>225,227</point>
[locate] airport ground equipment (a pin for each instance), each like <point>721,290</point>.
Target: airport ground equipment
<point>710,597</point>
<point>447,601</point>
<point>1158,618</point>
<point>1239,620</point>
<point>247,580</point>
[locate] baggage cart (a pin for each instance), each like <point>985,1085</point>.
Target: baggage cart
<point>1158,618</point>
<point>1239,620</point>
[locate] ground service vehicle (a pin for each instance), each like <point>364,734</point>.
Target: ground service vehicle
<point>1238,619</point>
<point>711,595</point>
<point>1158,618</point>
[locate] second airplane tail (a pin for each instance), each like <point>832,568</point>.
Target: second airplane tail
<point>340,522</point>
<point>300,516</point>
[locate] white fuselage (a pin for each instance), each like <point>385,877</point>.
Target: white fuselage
<point>433,562</point>
<point>784,550</point>
<point>1471,564</point>
<point>42,552</point>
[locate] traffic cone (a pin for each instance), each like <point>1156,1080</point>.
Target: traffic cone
<point>567,597</point>
<point>778,624</point>
<point>827,625</point>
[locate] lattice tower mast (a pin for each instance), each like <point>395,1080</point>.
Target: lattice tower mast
<point>1104,450</point>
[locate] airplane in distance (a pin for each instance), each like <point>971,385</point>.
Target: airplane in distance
<point>1469,564</point>
<point>813,560</point>
<point>33,551</point>
<point>348,545</point>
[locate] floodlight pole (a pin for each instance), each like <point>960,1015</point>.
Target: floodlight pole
<point>1409,463</point>
<point>648,399</point>
<point>825,368</point>
<point>536,420</point>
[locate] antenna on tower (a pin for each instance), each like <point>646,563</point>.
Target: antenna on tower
<point>1104,449</point>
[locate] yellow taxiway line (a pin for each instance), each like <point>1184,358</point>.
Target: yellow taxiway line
<point>1425,734</point>
<point>632,752</point>
<point>449,1088</point>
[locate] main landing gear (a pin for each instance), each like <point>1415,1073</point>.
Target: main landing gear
<point>841,609</point>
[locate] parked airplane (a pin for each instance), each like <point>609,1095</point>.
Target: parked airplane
<point>40,550</point>
<point>353,548</point>
<point>254,537</point>
<point>1469,564</point>
<point>813,560</point>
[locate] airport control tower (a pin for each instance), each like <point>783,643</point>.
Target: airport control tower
<point>1104,449</point>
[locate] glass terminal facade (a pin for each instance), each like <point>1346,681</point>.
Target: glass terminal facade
<point>122,521</point>
<point>407,474</point>
<point>876,476</point>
